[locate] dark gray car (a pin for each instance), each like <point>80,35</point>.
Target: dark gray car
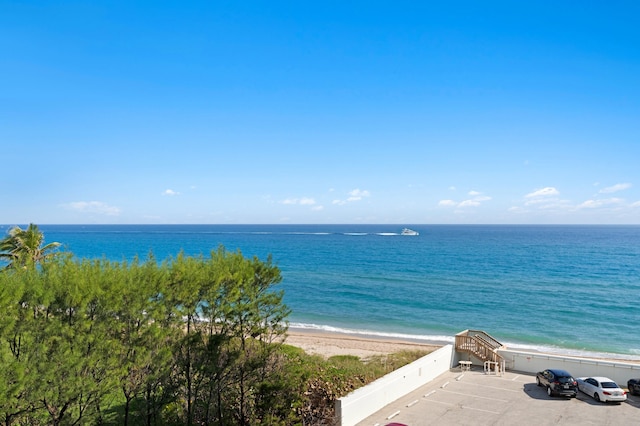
<point>558,382</point>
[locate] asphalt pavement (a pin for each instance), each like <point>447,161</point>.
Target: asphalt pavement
<point>475,398</point>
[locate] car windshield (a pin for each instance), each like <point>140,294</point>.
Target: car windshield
<point>609,385</point>
<point>566,379</point>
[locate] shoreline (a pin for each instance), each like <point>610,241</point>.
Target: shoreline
<point>328,344</point>
<point>331,343</point>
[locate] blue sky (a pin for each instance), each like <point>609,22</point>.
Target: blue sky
<point>319,112</point>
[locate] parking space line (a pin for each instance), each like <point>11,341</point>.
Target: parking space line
<point>514,379</point>
<point>464,407</point>
<point>412,403</point>
<point>494,387</point>
<point>441,403</point>
<point>480,409</point>
<point>393,415</point>
<point>475,396</point>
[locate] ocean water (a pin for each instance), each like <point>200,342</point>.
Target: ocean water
<point>569,289</point>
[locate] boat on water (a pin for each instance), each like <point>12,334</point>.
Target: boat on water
<point>407,231</point>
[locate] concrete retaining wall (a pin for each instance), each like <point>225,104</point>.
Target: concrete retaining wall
<point>531,362</point>
<point>365,401</point>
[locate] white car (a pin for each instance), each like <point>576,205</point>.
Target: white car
<point>601,389</point>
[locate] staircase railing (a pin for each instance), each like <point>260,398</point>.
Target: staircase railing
<point>480,344</point>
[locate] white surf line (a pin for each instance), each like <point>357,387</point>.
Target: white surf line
<point>393,415</point>
<point>476,396</point>
<point>412,403</point>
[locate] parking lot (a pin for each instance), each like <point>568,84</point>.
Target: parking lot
<point>475,398</point>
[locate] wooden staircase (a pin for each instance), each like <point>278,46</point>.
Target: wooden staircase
<point>483,347</point>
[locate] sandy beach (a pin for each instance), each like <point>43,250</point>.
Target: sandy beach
<point>330,344</point>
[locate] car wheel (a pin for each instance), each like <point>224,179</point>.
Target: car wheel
<point>538,381</point>
<point>549,391</point>
<point>596,396</point>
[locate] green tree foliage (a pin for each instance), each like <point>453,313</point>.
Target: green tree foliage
<point>142,336</point>
<point>22,247</point>
<point>188,341</point>
<point>233,323</point>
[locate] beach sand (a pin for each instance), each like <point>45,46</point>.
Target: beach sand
<point>329,344</point>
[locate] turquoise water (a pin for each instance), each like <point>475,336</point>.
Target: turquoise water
<point>572,289</point>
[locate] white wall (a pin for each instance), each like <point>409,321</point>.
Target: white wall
<point>365,401</point>
<point>532,362</point>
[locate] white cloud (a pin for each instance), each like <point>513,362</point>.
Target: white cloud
<point>590,204</point>
<point>547,199</point>
<point>317,208</point>
<point>170,192</point>
<point>593,204</point>
<point>636,204</point>
<point>354,195</point>
<point>539,201</point>
<point>357,195</point>
<point>615,188</point>
<point>97,207</point>
<point>474,202</point>
<point>544,192</point>
<point>305,201</point>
